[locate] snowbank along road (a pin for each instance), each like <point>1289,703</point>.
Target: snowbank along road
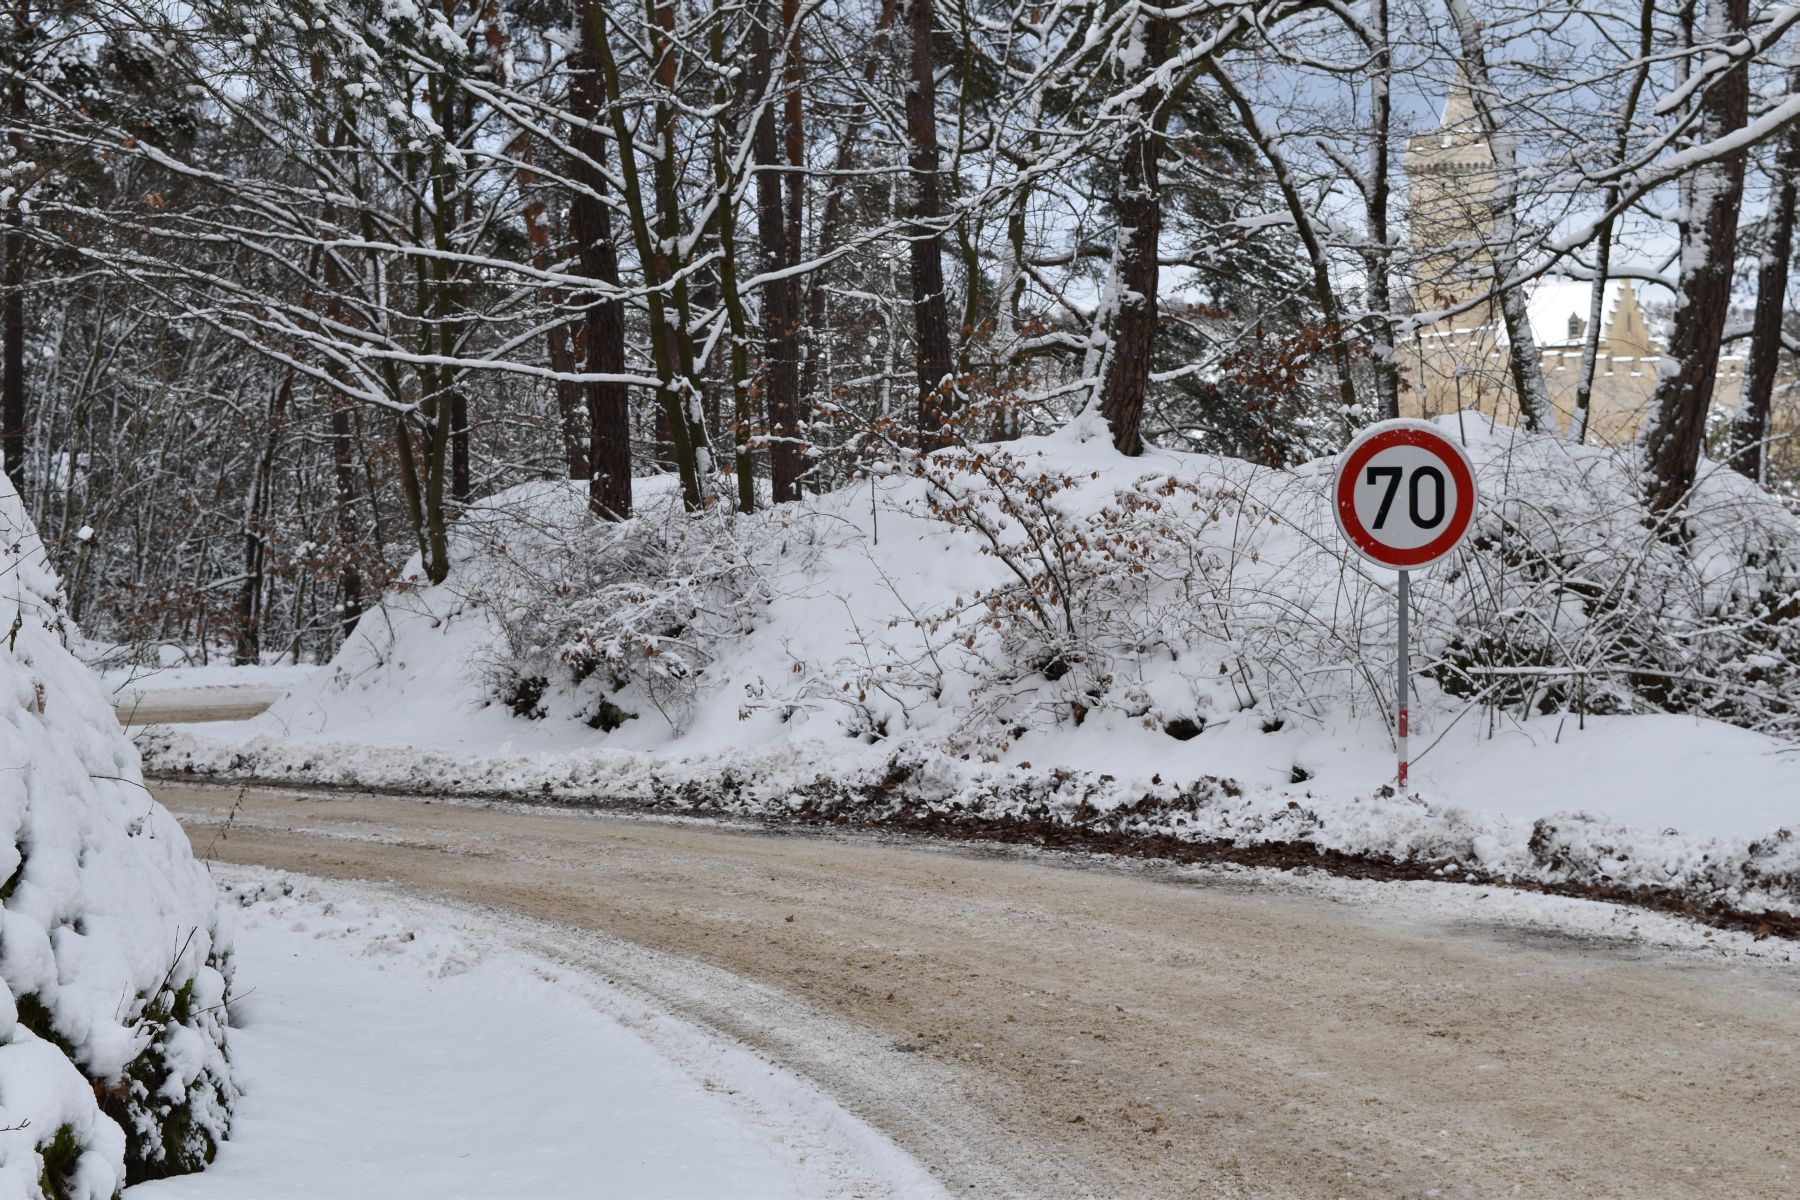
<point>1031,1025</point>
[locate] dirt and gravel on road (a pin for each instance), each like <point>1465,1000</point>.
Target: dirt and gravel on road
<point>1040,1025</point>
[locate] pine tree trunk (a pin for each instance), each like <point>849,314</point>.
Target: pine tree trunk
<point>1750,424</point>
<point>1127,383</point>
<point>590,225</point>
<point>936,387</point>
<point>781,297</point>
<point>724,147</point>
<point>1377,260</point>
<point>247,636</point>
<point>671,342</point>
<point>344,473</point>
<point>12,349</point>
<point>1676,430</point>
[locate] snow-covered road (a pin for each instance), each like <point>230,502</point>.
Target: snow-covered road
<point>176,706</point>
<point>1034,1025</point>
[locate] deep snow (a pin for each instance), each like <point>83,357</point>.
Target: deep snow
<point>113,964</point>
<point>392,1048</point>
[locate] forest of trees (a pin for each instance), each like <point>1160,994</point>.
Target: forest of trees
<point>284,284</point>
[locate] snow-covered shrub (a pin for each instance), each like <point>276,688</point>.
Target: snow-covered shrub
<point>608,618</point>
<point>113,966</point>
<point>1135,595</point>
<point>1570,597</point>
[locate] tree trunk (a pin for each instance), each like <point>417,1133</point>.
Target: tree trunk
<point>12,349</point>
<point>1603,238</point>
<point>1377,259</point>
<point>724,147</point>
<point>12,279</point>
<point>349,575</point>
<point>671,340</point>
<point>571,402</point>
<point>449,187</point>
<point>1523,361</point>
<point>936,386</point>
<point>462,485</point>
<point>832,217</point>
<point>781,297</point>
<point>590,224</point>
<point>1127,382</point>
<point>247,650</point>
<point>1676,430</point>
<point>1750,424</point>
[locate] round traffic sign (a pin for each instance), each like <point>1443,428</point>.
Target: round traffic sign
<point>1404,494</point>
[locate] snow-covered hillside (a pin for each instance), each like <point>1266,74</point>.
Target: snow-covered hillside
<point>1044,631</point>
<point>113,964</point>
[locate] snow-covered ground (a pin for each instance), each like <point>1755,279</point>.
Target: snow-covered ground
<point>391,1048</point>
<point>872,649</point>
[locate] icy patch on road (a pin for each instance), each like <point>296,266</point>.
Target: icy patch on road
<point>393,1048</point>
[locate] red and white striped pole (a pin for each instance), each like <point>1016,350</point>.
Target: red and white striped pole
<point>1401,680</point>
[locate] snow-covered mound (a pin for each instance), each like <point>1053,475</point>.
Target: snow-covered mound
<point>113,966</point>
<point>1176,645</point>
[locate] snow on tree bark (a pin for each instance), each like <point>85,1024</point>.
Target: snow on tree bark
<point>1139,206</point>
<point>936,386</point>
<point>1750,423</point>
<point>1524,363</point>
<point>1675,429</point>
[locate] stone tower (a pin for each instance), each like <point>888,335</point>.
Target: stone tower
<point>1451,175</point>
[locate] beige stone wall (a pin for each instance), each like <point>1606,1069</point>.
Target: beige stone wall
<point>1462,361</point>
<point>1469,368</point>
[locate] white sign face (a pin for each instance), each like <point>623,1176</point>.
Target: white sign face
<point>1404,494</point>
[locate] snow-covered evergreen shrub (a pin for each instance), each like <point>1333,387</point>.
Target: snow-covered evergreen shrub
<point>113,966</point>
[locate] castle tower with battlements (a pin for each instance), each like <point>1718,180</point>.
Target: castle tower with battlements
<point>1459,357</point>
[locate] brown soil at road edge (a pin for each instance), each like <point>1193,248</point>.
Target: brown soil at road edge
<point>1037,1030</point>
<point>1104,837</point>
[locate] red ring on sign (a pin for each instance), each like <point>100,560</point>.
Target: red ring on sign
<point>1439,546</point>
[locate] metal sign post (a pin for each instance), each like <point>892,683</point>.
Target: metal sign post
<point>1400,682</point>
<point>1404,497</point>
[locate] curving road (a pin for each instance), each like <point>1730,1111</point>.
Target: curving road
<point>1041,1026</point>
<point>180,706</point>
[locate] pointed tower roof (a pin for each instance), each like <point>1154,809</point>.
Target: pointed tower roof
<point>1458,140</point>
<point>1459,108</point>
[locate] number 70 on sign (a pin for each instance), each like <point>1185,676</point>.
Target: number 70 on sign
<point>1404,496</point>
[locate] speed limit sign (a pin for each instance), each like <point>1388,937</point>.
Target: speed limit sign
<point>1404,495</point>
